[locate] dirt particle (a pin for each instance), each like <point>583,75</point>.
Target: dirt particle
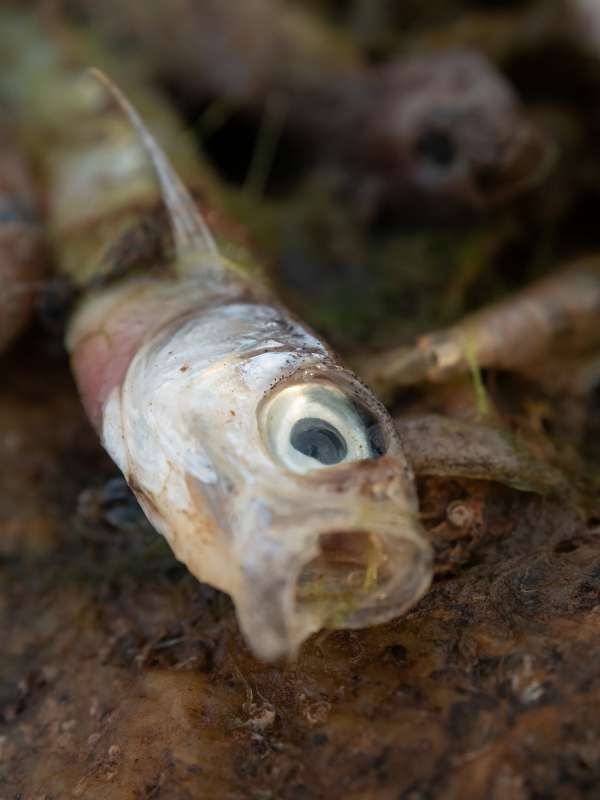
<point>459,514</point>
<point>396,653</point>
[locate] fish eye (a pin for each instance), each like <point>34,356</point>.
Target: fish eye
<point>437,147</point>
<point>318,439</point>
<point>314,425</point>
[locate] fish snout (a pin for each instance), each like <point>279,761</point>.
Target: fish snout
<point>377,480</point>
<point>364,574</point>
<point>357,562</point>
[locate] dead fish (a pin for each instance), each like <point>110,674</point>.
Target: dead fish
<point>272,471</point>
<point>448,127</point>
<point>21,263</point>
<point>442,131</point>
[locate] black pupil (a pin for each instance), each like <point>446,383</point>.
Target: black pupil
<point>437,147</point>
<point>318,439</point>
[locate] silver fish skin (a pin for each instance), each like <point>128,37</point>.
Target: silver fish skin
<point>272,471</point>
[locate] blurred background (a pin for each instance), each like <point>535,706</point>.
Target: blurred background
<point>399,163</point>
<point>393,166</point>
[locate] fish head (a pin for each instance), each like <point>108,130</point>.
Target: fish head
<point>274,474</point>
<point>338,508</point>
<point>449,127</point>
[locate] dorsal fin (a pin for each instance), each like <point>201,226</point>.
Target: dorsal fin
<point>190,231</point>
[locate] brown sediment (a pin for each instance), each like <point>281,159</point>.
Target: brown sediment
<point>123,677</point>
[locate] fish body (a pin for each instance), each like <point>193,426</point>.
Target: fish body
<point>190,422</point>
<point>272,471</point>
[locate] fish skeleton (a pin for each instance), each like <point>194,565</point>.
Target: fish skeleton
<point>272,471</point>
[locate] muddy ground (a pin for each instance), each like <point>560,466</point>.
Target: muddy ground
<point>122,677</point>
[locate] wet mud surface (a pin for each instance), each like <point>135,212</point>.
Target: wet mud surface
<point>122,677</point>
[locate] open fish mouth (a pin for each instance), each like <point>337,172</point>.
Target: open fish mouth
<point>347,576</point>
<point>360,578</point>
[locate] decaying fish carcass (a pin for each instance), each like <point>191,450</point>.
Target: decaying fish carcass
<point>272,471</point>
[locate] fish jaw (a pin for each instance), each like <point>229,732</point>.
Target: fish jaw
<point>180,415</point>
<point>350,557</point>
